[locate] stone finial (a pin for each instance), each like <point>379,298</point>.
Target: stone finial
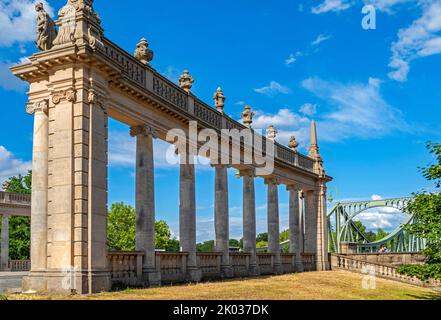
<point>247,116</point>
<point>271,133</point>
<point>142,52</point>
<point>293,144</point>
<point>219,99</point>
<point>46,31</point>
<point>186,81</point>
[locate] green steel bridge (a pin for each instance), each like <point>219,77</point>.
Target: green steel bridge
<point>342,228</point>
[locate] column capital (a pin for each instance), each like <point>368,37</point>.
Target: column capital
<point>143,130</point>
<point>41,106</point>
<point>247,173</point>
<point>272,181</point>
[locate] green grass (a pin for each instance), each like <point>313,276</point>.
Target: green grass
<point>334,285</point>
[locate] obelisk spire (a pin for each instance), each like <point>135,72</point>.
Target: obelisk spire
<point>313,146</point>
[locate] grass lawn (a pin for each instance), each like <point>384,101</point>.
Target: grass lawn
<point>334,285</point>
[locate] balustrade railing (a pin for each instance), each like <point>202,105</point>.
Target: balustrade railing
<point>379,270</point>
<point>308,260</point>
<point>7,197</point>
<point>172,265</point>
<point>288,261</point>
<point>126,267</point>
<point>240,263</point>
<point>265,261</point>
<point>19,265</point>
<point>136,71</point>
<point>210,264</point>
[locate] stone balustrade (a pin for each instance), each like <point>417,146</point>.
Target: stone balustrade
<point>308,260</point>
<point>392,259</point>
<point>15,198</point>
<point>19,265</point>
<point>344,262</point>
<point>126,267</point>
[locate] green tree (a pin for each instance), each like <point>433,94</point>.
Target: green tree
<point>427,209</point>
<point>284,236</point>
<point>381,234</point>
<point>235,243</point>
<point>262,244</point>
<point>19,227</point>
<point>121,228</point>
<point>207,246</point>
<point>263,237</point>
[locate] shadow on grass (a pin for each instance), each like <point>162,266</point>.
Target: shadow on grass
<point>425,296</point>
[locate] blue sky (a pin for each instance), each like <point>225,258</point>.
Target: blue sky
<point>374,93</point>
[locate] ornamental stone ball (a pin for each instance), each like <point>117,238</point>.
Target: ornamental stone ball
<point>143,53</point>
<point>219,99</point>
<point>186,81</point>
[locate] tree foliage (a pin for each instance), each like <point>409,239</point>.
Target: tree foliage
<point>121,230</point>
<point>19,227</point>
<point>426,206</point>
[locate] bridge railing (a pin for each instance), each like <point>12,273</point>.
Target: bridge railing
<point>19,265</point>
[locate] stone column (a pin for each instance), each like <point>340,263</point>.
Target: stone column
<point>322,257</point>
<point>187,217</point>
<point>249,220</point>
<point>39,186</point>
<point>295,225</point>
<point>310,221</point>
<point>145,202</point>
<point>273,223</point>
<point>4,256</point>
<point>221,219</point>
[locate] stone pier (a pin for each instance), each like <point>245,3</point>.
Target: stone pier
<point>273,222</point>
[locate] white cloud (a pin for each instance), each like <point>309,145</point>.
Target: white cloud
<point>18,21</point>
<point>308,109</point>
<point>10,166</point>
<point>122,151</point>
<point>376,197</point>
<point>321,38</point>
<point>357,110</point>
<point>386,5</point>
<point>273,88</point>
<point>331,6</point>
<point>420,39</point>
<point>8,81</point>
<point>385,218</point>
<point>291,59</point>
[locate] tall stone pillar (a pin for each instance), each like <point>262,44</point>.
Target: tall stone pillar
<point>249,220</point>
<point>322,257</point>
<point>145,202</point>
<point>310,221</point>
<point>39,186</point>
<point>221,219</point>
<point>77,185</point>
<point>295,225</point>
<point>187,217</point>
<point>4,255</point>
<point>273,223</point>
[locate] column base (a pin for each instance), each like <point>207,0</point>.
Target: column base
<point>299,267</point>
<point>322,265</point>
<point>151,278</point>
<point>66,282</point>
<point>227,272</point>
<point>194,274</point>
<point>254,271</point>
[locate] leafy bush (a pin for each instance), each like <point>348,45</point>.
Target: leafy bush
<point>423,272</point>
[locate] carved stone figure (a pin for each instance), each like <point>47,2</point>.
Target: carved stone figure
<point>46,32</point>
<point>186,81</point>
<point>142,52</point>
<point>219,100</point>
<point>271,133</point>
<point>293,144</point>
<point>67,16</point>
<point>247,116</point>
